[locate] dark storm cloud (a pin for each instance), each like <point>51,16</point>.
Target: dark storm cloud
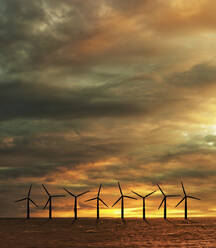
<point>43,101</point>
<point>70,37</point>
<point>59,151</point>
<point>33,170</point>
<point>26,48</point>
<point>33,33</point>
<point>26,100</point>
<point>131,97</point>
<point>39,35</point>
<point>17,32</point>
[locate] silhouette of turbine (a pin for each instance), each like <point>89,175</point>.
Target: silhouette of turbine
<point>75,200</point>
<point>164,201</point>
<point>185,199</point>
<point>144,197</point>
<point>28,200</point>
<point>49,201</point>
<point>122,200</point>
<point>98,201</point>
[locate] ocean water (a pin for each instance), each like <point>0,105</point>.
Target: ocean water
<point>87,232</point>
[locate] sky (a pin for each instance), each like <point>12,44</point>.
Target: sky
<point>96,92</point>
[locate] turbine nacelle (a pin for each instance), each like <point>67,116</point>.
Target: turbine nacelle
<point>122,200</point>
<point>49,201</point>
<point>186,196</point>
<point>75,200</point>
<point>75,196</point>
<point>165,196</point>
<point>97,197</point>
<point>143,197</point>
<point>49,195</point>
<point>98,200</point>
<point>28,199</point>
<point>121,197</point>
<point>164,201</point>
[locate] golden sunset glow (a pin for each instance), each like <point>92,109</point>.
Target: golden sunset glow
<point>100,92</point>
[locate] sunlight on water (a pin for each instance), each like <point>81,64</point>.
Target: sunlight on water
<point>17,233</point>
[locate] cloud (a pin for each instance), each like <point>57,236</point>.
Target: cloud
<point>201,76</point>
<point>106,91</point>
<point>170,17</point>
<point>25,100</point>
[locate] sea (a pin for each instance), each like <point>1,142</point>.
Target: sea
<point>107,232</point>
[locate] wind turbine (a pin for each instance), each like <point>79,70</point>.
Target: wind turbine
<point>165,201</point>
<point>75,200</point>
<point>122,200</point>
<point>185,199</point>
<point>144,197</point>
<point>28,200</point>
<point>98,201</point>
<point>49,201</point>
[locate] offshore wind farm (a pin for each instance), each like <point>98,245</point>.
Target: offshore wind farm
<point>99,200</point>
<point>105,232</point>
<point>100,231</point>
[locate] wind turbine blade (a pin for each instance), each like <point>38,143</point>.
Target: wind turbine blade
<point>192,197</point>
<point>58,196</point>
<point>120,188</point>
<point>69,192</point>
<point>34,203</point>
<point>137,194</point>
<point>160,189</point>
<point>83,193</point>
<point>46,203</point>
<point>95,198</point>
<point>161,203</point>
<point>150,193</point>
<point>29,192</point>
<point>129,197</point>
<point>117,201</point>
<point>46,190</point>
<point>183,188</point>
<point>99,189</point>
<point>180,202</point>
<point>23,199</point>
<point>173,195</point>
<point>103,202</point>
